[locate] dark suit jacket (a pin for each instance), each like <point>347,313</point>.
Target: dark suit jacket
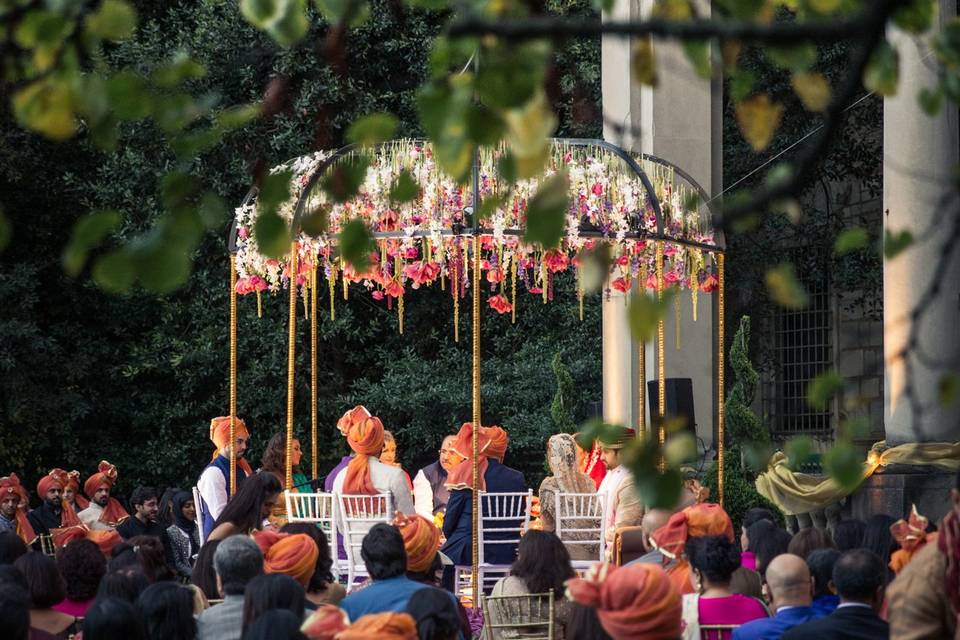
<point>846,622</point>
<point>458,519</point>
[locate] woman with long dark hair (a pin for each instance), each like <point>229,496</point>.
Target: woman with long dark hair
<point>542,565</point>
<point>204,577</point>
<point>184,534</point>
<point>848,534</point>
<point>111,618</point>
<point>272,591</point>
<point>877,538</point>
<point>247,510</point>
<point>274,461</point>
<point>166,609</point>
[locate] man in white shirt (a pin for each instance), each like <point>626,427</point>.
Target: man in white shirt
<point>214,482</point>
<point>430,492</point>
<point>105,512</point>
<point>624,508</point>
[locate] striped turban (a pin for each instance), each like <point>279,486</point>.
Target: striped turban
<point>366,439</point>
<point>704,519</point>
<point>56,478</point>
<point>358,414</point>
<point>325,623</point>
<point>381,626</point>
<point>293,555</point>
<point>491,443</point>
<point>106,476</point>
<point>220,436</point>
<point>421,539</point>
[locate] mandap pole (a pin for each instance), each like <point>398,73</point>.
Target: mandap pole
<point>475,520</point>
<point>661,365</point>
<point>720,373</point>
<point>291,355</point>
<point>233,374</point>
<point>313,365</point>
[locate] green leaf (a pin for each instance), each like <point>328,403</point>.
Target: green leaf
<point>316,222</point>
<point>188,146</point>
<point>46,106</point>
<point>698,54</point>
<point>113,20</point>
<point>115,272</point>
<point>274,189</point>
<point>428,5</point>
<point>660,490</point>
<point>511,74</point>
<point>546,212</point>
<point>129,95</point>
<point>260,12</point>
<point>484,127</point>
<point>284,20</point>
<point>844,464</point>
<point>182,67</point>
<point>213,210</point>
<point>896,243</point>
<point>784,288</point>
<point>644,62</point>
<point>371,129</point>
<point>41,28</point>
<point>342,181</point>
<point>404,188</point>
<point>352,13</point>
<point>178,190</point>
<point>645,311</point>
<point>741,84</point>
<point>238,116</point>
<point>356,243</point>
<point>799,58</point>
<point>883,71</point>
<point>850,240</point>
<point>680,448</point>
<point>931,101</point>
<point>489,205</point>
<point>799,451</point>
<point>595,266</point>
<point>823,388</point>
<point>948,388</point>
<point>916,17</point>
<point>88,232</point>
<point>165,268</point>
<point>271,234</point>
<point>443,110</point>
<point>6,230</point>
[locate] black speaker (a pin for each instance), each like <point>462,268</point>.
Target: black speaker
<point>679,401</point>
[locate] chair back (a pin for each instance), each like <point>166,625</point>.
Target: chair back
<point>579,520</point>
<point>356,515</point>
<point>717,631</point>
<point>201,513</point>
<point>505,517</point>
<point>314,508</point>
<point>530,616</point>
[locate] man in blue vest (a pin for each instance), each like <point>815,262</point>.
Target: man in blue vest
<point>430,493</point>
<point>214,482</point>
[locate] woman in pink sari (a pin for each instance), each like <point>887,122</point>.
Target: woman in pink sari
<point>713,559</point>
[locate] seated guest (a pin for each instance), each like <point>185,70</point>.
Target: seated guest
<point>494,477</point>
<point>238,560</point>
<point>767,541</point>
<point>390,589</point>
<point>166,609</point>
<point>746,582</point>
<point>151,557</point>
<point>542,565</point>
<point>365,474</point>
<point>566,478</point>
<point>11,547</point>
<point>713,560</point>
<point>878,537</point>
<point>325,623</point>
<point>272,591</point>
<point>293,555</point>
<point>14,612</point>
<point>706,519</point>
<point>322,588</point>
<point>124,585</point>
<point>354,416</point>
<point>104,511</point>
<point>624,508</point>
<point>911,536</point>
<point>45,588</point>
<point>848,534</point>
<point>14,519</point>
<point>591,464</point>
<point>50,514</point>
<point>435,616</point>
<point>248,510</point>
<point>145,520</point>
<point>276,624</point>
<point>82,566</point>
<point>808,540</point>
<point>430,492</point>
<point>631,603</point>
<point>111,619</point>
<point>166,505</point>
<point>791,592</point>
<point>388,455</point>
<point>748,557</point>
<point>821,562</point>
<point>71,493</point>
<point>860,579</point>
<point>214,482</point>
<point>274,461</point>
<point>381,626</point>
<point>204,576</point>
<point>652,520</point>
<point>184,534</point>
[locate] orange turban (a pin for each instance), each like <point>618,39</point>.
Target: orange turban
<point>73,482</point>
<point>325,623</point>
<point>56,478</point>
<point>377,626</point>
<point>636,601</point>
<point>911,534</point>
<point>293,555</point>
<point>366,439</point>
<point>10,485</point>
<point>491,443</point>
<point>220,436</point>
<point>421,539</point>
<point>358,414</point>
<point>106,475</point>
<point>704,519</point>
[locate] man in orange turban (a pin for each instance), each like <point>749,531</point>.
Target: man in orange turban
<point>421,539</point>
<point>911,534</point>
<point>71,492</point>
<point>705,519</point>
<point>293,555</point>
<point>365,474</point>
<point>493,476</point>
<point>12,517</point>
<point>637,601</point>
<point>214,482</point>
<point>105,512</point>
<point>50,514</point>
<point>381,626</point>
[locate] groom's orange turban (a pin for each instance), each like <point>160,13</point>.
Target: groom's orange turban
<point>293,555</point>
<point>366,439</point>
<point>220,436</point>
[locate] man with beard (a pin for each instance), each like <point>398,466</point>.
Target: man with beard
<point>49,514</point>
<point>430,493</point>
<point>104,512</point>
<point>12,517</point>
<point>76,502</point>
<point>146,520</point>
<point>214,482</point>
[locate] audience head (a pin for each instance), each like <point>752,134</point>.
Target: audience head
<point>652,520</point>
<point>110,619</point>
<point>788,581</point>
<point>322,575</point>
<point>184,510</point>
<point>632,601</point>
<point>145,504</point>
<point>543,563</point>
<point>82,566</point>
<point>292,554</point>
<point>237,560</point>
<point>713,559</point>
<point>276,624</point>
<point>381,626</point>
<point>123,585</point>
<point>610,452</point>
<point>204,575</point>
<point>327,621</point>
<point>746,582</point>
<point>749,518</point>
<point>821,562</point>
<point>583,622</point>
<point>272,591</point>
<point>152,556</point>
<point>10,575</point>
<point>808,540</point>
<point>767,542</point>
<point>255,499</point>
<point>860,576</point>
<point>45,586</point>
<point>448,457</point>
<point>389,453</point>
<point>11,547</point>
<point>383,552</point>
<point>848,534</point>
<point>704,519</point>
<point>220,435</point>
<point>421,541</point>
<point>435,614</point>
<point>14,612</point>
<point>877,537</point>
<point>166,610</point>
<point>274,457</point>
<point>166,515</point>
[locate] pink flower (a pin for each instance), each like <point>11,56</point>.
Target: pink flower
<point>394,289</point>
<point>623,260</point>
<point>709,284</point>
<point>244,286</point>
<point>243,233</point>
<point>556,261</point>
<point>494,276</point>
<point>670,250</point>
<point>671,277</point>
<point>411,253</point>
<point>421,272</point>
<point>377,295</point>
<point>500,304</point>
<point>597,189</point>
<point>621,284</point>
<point>535,290</point>
<point>652,281</point>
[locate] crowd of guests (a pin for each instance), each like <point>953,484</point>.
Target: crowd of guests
<point>231,568</point>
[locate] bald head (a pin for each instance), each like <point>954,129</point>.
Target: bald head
<point>653,519</point>
<point>788,579</point>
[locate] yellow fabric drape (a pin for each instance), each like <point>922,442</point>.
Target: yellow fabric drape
<point>796,493</point>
